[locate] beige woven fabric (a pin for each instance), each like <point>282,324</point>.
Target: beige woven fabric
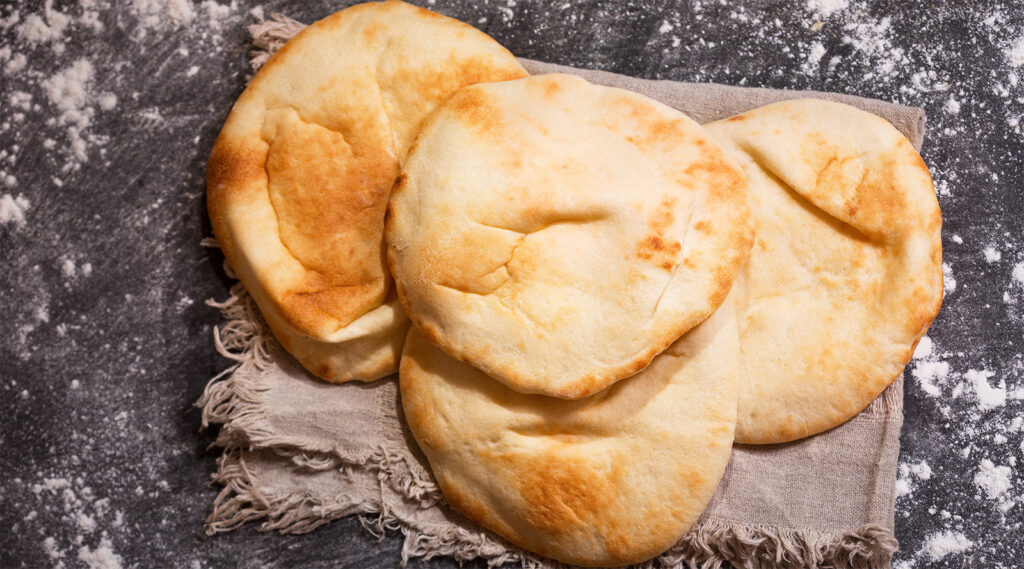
<point>299,452</point>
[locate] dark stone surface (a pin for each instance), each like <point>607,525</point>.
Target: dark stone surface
<point>99,370</point>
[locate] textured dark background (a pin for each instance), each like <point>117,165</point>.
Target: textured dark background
<point>99,442</point>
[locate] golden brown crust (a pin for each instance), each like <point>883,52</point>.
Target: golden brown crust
<point>300,175</point>
<point>845,275</point>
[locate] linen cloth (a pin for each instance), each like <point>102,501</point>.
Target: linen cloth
<point>299,452</point>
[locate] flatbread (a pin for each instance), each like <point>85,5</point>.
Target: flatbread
<point>609,480</point>
<point>845,275</point>
<point>558,235</point>
<point>299,178</point>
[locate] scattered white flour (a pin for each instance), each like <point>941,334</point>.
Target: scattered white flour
<point>46,28</point>
<point>50,484</point>
<point>872,39</point>
<point>21,100</point>
<point>952,106</point>
<point>1016,53</point>
<point>15,64</point>
<point>989,397</point>
<point>73,501</point>
<point>102,506</point>
<point>69,91</point>
<point>949,283</point>
<point>12,209</point>
<point>50,548</point>
<point>86,523</point>
<point>921,470</point>
<point>930,374</point>
<point>941,544</point>
<point>68,268</point>
<point>813,58</point>
<point>665,27</point>
<point>909,474</point>
<point>108,101</point>
<point>924,348</point>
<point>216,12</point>
<point>993,480</point>
<point>1018,272</point>
<point>90,18</point>
<point>992,254</point>
<point>153,14</point>
<point>825,8</point>
<point>103,557</point>
<point>903,487</point>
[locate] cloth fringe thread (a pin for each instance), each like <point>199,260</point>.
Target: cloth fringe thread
<point>268,36</point>
<point>710,545</point>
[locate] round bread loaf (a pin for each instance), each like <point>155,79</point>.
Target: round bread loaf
<point>608,480</point>
<point>558,235</point>
<point>299,178</point>
<point>845,275</point>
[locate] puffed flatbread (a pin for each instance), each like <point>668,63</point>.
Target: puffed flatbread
<point>558,235</point>
<point>299,178</point>
<point>608,480</point>
<point>845,275</point>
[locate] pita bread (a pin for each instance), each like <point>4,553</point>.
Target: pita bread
<point>558,235</point>
<point>845,275</point>
<point>300,175</point>
<point>609,480</point>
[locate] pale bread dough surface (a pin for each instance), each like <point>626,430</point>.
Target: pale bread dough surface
<point>845,273</point>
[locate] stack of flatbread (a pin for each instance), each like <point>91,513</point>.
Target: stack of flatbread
<point>588,296</point>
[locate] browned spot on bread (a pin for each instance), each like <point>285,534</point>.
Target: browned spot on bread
<point>372,31</point>
<point>551,86</point>
<point>663,215</point>
<point>657,249</point>
<point>324,371</point>
<point>430,332</point>
<point>232,166</point>
<point>305,309</point>
<point>474,108</point>
<point>235,170</point>
<point>327,195</point>
<point>564,494</point>
<point>737,118</point>
<point>640,364</point>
